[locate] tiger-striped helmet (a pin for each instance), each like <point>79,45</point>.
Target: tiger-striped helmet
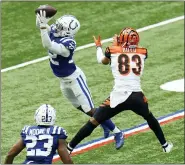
<point>128,37</point>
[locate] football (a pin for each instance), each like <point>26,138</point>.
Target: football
<point>50,11</point>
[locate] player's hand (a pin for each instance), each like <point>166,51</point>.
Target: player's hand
<point>97,41</point>
<point>41,20</point>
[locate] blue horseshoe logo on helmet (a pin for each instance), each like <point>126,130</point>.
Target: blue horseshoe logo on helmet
<point>76,25</point>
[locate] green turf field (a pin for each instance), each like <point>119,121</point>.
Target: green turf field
<point>20,37</point>
<point>24,89</point>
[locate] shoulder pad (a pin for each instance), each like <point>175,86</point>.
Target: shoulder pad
<point>59,131</point>
<point>24,131</point>
<point>142,51</point>
<point>115,49</point>
<point>69,43</point>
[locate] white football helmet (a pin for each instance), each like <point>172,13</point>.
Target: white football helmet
<point>45,115</point>
<point>67,25</point>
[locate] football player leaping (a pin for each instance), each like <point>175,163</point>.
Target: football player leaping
<point>127,63</point>
<point>58,39</point>
<point>41,141</point>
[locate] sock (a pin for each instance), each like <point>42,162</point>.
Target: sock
<point>165,145</point>
<point>85,131</point>
<point>109,124</point>
<point>155,126</point>
<point>116,130</point>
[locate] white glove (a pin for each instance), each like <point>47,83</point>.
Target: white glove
<point>41,20</point>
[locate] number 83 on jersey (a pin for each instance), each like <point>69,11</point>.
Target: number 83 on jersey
<point>130,64</point>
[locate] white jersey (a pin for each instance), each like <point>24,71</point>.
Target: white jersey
<point>127,67</point>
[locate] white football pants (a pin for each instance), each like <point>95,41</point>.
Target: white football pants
<point>75,89</point>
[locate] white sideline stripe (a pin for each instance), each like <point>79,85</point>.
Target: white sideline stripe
<point>126,132</point>
<point>92,44</point>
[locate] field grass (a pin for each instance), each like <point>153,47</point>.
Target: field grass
<point>21,40</point>
<point>24,89</point>
<point>142,148</point>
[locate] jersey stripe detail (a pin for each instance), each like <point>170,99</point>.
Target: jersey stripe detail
<point>86,87</point>
<point>65,38</point>
<point>59,129</point>
<point>70,39</point>
<point>85,92</point>
<point>23,130</point>
<point>46,113</point>
<point>54,130</point>
<point>26,130</point>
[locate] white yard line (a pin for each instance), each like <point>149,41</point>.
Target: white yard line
<point>92,44</point>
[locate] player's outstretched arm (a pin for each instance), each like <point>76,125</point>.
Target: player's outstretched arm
<point>101,58</point>
<point>53,46</point>
<point>46,41</point>
<point>63,153</point>
<point>14,151</point>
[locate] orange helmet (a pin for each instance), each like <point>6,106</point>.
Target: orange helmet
<point>127,37</point>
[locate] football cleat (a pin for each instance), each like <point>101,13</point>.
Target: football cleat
<point>119,139</point>
<point>167,148</point>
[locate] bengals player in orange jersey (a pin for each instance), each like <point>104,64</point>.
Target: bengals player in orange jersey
<point>127,60</point>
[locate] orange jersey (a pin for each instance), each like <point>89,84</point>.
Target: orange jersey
<point>127,66</point>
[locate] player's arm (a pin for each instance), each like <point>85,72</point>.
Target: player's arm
<point>101,58</point>
<point>46,41</point>
<point>53,46</point>
<point>14,151</point>
<point>63,152</point>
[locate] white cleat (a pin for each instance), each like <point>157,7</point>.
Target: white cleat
<point>167,148</point>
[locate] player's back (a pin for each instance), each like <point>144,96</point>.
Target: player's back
<point>127,66</point>
<point>41,143</point>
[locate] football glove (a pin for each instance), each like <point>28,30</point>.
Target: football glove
<point>41,20</point>
<point>97,41</point>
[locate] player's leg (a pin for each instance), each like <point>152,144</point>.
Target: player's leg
<point>82,92</point>
<point>74,93</point>
<point>140,107</point>
<point>102,114</point>
<point>68,93</point>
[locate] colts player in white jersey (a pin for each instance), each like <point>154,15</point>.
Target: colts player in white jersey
<point>58,39</point>
<point>42,140</point>
<point>126,59</point>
